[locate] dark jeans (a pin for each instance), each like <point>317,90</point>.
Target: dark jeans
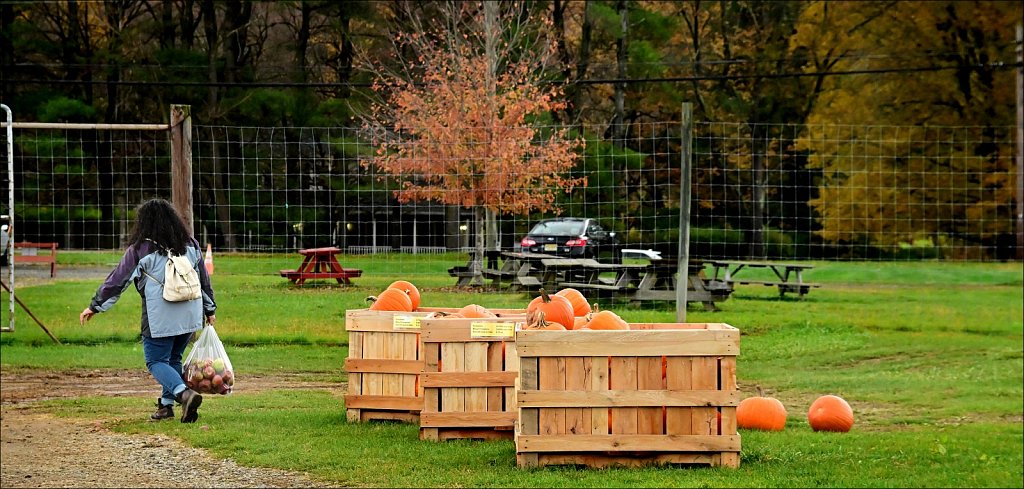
<point>163,359</point>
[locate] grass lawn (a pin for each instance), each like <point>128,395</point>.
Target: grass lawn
<point>930,356</point>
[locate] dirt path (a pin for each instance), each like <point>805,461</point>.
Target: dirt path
<point>40,450</point>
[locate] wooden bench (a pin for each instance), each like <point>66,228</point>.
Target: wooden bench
<point>788,276</point>
<point>36,258</point>
<point>800,289</point>
<point>295,274</point>
<point>463,274</point>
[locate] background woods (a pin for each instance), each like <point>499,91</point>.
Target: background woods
<point>822,111</point>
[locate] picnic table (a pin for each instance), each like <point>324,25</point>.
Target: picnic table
<point>655,282</point>
<point>789,276</point>
<point>465,274</point>
<point>320,263</point>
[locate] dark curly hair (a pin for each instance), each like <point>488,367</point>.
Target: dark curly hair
<point>157,220</point>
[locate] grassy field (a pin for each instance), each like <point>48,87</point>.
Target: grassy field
<point>929,354</point>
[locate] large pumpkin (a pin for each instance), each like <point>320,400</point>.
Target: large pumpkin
<point>761,413</point>
<point>606,320</point>
<point>830,413</point>
<point>391,300</point>
<point>408,288</point>
<point>476,311</point>
<point>536,320</point>
<point>580,306</point>
<point>556,309</point>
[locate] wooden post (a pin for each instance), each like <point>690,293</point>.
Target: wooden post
<point>10,213</point>
<point>181,162</point>
<point>683,267</point>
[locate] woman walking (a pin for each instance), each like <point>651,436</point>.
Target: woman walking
<point>166,326</point>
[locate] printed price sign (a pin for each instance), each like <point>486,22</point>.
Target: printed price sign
<point>483,329</point>
<point>404,321</point>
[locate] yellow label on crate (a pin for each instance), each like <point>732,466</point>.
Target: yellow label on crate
<point>483,329</point>
<point>404,321</point>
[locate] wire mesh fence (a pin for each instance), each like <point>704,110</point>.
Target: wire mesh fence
<point>758,191</point>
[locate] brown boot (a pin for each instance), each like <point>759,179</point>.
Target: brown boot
<point>190,401</point>
<point>162,412</point>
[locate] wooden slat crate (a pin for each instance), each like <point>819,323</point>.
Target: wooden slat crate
<point>384,364</point>
<point>468,380</point>
<point>659,393</point>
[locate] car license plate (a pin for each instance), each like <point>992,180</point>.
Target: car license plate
<point>550,247</point>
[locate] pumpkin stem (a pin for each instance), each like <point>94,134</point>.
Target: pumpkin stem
<point>371,299</point>
<point>544,296</point>
<point>760,392</point>
<point>535,320</point>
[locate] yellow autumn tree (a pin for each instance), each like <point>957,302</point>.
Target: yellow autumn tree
<point>459,121</point>
<point>916,154</point>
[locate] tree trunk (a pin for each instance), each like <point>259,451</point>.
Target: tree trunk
<point>492,231</point>
<point>582,63</point>
<point>478,258</point>
<point>558,19</point>
<point>188,23</point>
<point>621,56</point>
<point>209,15</point>
<point>236,26</point>
<point>302,42</point>
<point>166,24</point>
<point>758,151</point>
<point>115,15</point>
<point>346,52</point>
<point>452,236</point>
<point>6,50</point>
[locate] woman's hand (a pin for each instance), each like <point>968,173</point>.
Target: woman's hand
<point>212,318</point>
<point>85,316</point>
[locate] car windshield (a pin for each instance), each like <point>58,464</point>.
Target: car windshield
<point>559,228</point>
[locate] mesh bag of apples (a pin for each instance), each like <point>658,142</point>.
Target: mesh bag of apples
<point>207,369</point>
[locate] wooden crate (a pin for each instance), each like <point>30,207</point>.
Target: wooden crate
<point>657,394</point>
<point>385,362</point>
<point>469,379</point>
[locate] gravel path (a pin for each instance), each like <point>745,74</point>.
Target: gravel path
<point>41,450</point>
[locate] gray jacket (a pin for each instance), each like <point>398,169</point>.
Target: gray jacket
<point>160,318</point>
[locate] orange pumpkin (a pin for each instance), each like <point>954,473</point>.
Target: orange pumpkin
<point>556,309</point>
<point>476,311</point>
<point>580,306</point>
<point>443,314</point>
<point>580,322</point>
<point>408,288</point>
<point>761,413</point>
<point>536,320</point>
<point>830,413</point>
<point>606,320</point>
<point>391,300</point>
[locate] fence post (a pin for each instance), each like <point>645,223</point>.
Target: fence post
<point>181,162</point>
<point>9,157</point>
<point>683,282</point>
